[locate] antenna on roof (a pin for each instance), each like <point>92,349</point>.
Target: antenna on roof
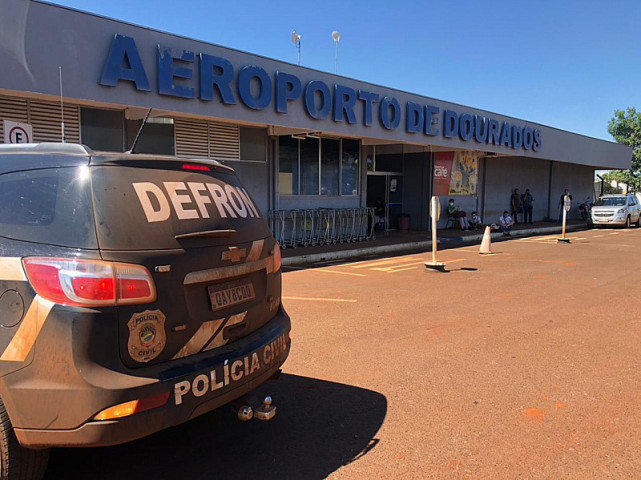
<point>62,108</point>
<point>144,122</point>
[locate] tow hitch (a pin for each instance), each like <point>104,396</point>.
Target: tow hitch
<point>265,412</point>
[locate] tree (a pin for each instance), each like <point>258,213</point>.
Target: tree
<point>625,128</point>
<point>609,178</point>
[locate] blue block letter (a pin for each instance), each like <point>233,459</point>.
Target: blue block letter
<point>384,112</point>
<point>517,137</point>
<point>493,137</point>
<point>414,117</point>
<point>450,123</point>
<point>167,71</point>
<point>288,87</point>
<point>480,129</point>
<point>536,146</point>
<point>369,99</point>
<point>123,63</point>
<point>506,137</point>
<point>216,71</point>
<point>466,126</point>
<point>245,77</point>
<point>431,118</point>
<point>528,138</point>
<point>310,99</point>
<point>344,101</point>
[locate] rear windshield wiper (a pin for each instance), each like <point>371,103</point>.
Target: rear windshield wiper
<point>207,233</point>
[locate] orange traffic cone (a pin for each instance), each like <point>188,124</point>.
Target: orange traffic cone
<point>486,243</point>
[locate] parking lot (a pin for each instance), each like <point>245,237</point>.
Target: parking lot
<point>521,364</point>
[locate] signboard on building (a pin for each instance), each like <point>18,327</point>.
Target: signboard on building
<point>456,173</point>
<point>15,132</point>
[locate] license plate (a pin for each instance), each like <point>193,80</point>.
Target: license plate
<point>230,294</point>
<point>604,220</point>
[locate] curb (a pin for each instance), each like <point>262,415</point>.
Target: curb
<point>518,233</point>
<point>355,252</point>
<point>399,247</point>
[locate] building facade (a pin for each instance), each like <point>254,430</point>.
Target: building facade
<point>298,138</point>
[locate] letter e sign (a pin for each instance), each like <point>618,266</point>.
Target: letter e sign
<point>15,132</point>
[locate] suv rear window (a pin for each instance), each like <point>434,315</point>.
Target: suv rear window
<point>50,206</point>
<point>610,202</point>
<point>146,205</point>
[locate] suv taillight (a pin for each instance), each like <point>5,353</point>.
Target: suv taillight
<point>277,257</point>
<point>89,282</point>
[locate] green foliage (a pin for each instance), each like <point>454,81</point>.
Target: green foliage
<point>613,176</point>
<point>625,128</point>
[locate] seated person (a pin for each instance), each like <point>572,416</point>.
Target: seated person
<point>379,213</point>
<point>475,221</point>
<point>456,212</point>
<point>505,223</point>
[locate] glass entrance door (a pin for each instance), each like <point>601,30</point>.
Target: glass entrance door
<point>385,194</point>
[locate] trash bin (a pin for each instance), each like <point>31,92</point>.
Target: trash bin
<point>403,221</point>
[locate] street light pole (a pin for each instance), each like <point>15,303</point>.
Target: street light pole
<point>336,37</point>
<point>296,41</point>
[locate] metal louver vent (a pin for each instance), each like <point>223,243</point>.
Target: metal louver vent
<point>14,109</point>
<point>225,141</point>
<point>202,139</point>
<point>45,119</point>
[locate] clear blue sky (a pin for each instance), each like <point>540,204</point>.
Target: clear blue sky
<point>564,63</point>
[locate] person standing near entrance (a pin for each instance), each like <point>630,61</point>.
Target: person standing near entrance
<point>516,203</point>
<point>562,202</point>
<point>527,206</point>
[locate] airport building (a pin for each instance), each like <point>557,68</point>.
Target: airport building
<point>299,138</point>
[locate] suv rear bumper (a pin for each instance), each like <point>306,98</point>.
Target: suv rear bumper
<point>208,381</point>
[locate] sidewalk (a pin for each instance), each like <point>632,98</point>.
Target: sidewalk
<point>398,241</point>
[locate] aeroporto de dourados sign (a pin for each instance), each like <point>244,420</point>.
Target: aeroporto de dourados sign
<point>257,90</point>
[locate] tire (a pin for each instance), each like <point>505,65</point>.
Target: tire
<point>627,222</point>
<point>17,462</point>
<point>639,221</point>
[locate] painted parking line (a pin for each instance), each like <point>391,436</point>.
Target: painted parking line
<point>395,268</point>
<point>376,263</point>
<point>325,270</point>
<point>413,267</point>
<point>318,299</point>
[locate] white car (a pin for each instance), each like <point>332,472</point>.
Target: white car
<point>621,209</point>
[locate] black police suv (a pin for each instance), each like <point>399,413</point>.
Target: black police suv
<point>136,292</point>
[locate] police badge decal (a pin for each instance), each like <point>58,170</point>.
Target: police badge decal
<point>147,336</point>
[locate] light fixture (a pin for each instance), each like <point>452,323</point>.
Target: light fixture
<point>296,41</point>
<point>336,37</point>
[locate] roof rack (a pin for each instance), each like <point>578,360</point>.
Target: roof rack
<point>50,148</point>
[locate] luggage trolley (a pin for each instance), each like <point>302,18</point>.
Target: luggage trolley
<point>287,234</point>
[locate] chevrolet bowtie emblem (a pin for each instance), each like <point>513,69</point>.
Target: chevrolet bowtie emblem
<point>234,254</point>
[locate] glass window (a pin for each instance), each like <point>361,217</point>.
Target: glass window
<point>301,161</point>
<point>157,137</point>
<point>102,129</point>
<point>349,164</point>
<point>309,166</point>
<point>389,158</point>
<point>330,150</point>
<point>288,165</point>
<point>51,206</point>
<point>253,144</point>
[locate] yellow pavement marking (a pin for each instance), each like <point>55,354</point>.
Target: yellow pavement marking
<point>340,273</point>
<point>323,270</point>
<point>614,233</point>
<point>316,299</point>
<point>376,263</point>
<point>447,262</point>
<point>597,236</point>
<point>395,267</point>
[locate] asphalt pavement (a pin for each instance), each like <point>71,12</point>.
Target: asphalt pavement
<point>520,364</point>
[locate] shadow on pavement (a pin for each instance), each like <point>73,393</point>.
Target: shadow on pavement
<point>320,426</point>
